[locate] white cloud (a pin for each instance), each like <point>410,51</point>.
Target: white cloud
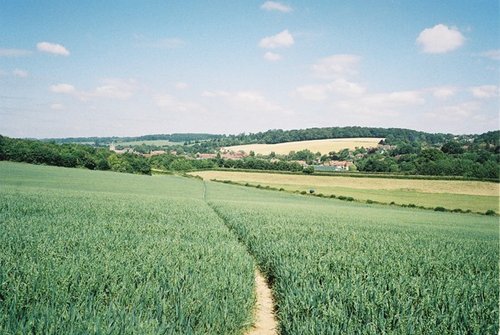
<point>394,99</point>
<point>53,48</point>
<point>339,87</point>
<point>181,85</point>
<point>171,104</point>
<point>57,107</point>
<point>20,73</point>
<point>462,110</point>
<point>162,43</point>
<point>63,88</point>
<point>485,91</point>
<point>114,89</point>
<point>215,94</point>
<point>443,92</point>
<point>312,92</point>
<point>272,57</point>
<point>118,89</point>
<point>440,39</point>
<point>346,88</point>
<point>246,101</point>
<point>492,54</point>
<point>283,39</point>
<point>14,52</point>
<point>274,5</point>
<point>336,66</point>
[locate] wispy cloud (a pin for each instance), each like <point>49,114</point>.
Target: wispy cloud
<point>336,66</point>
<point>443,92</point>
<point>272,57</point>
<point>14,52</point>
<point>57,106</point>
<point>20,73</point>
<point>440,39</point>
<point>142,41</point>
<point>181,85</point>
<point>172,104</point>
<point>62,88</point>
<point>280,40</point>
<point>246,101</point>
<point>485,91</point>
<point>52,48</point>
<point>276,6</point>
<point>491,54</point>
<point>339,87</point>
<point>118,89</point>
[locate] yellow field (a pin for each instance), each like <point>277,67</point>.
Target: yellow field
<point>473,195</point>
<point>323,146</point>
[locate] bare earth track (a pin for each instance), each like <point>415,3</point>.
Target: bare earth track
<point>265,320</point>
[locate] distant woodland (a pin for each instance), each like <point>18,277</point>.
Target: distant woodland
<point>403,152</point>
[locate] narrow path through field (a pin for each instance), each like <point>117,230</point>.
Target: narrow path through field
<point>265,322</point>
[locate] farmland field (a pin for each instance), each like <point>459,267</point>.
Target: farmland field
<point>100,252</point>
<point>473,195</point>
<point>92,252</point>
<point>344,268</point>
<point>323,146</point>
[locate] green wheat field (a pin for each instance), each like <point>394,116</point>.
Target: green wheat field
<point>88,252</point>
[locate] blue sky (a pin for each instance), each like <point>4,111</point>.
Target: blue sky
<point>126,68</point>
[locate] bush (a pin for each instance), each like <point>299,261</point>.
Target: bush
<point>311,191</point>
<point>412,205</point>
<point>308,170</point>
<point>282,189</point>
<point>369,201</point>
<point>440,209</point>
<point>333,196</point>
<point>303,192</point>
<point>490,212</point>
<point>350,199</point>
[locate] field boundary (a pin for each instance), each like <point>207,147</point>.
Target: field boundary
<point>351,199</point>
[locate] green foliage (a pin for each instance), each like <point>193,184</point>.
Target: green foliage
<point>308,170</point>
<point>70,155</point>
<point>452,147</point>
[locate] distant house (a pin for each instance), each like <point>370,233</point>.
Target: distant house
<point>224,154</point>
<point>205,156</point>
<point>234,155</point>
<point>302,163</point>
<point>154,153</point>
<point>339,165</point>
<point>120,151</point>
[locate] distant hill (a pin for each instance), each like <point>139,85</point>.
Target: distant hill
<point>104,141</point>
<point>279,136</point>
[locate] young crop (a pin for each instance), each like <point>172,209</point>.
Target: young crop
<point>89,262</point>
<point>345,268</point>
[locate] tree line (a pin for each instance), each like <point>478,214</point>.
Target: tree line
<point>70,155</point>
